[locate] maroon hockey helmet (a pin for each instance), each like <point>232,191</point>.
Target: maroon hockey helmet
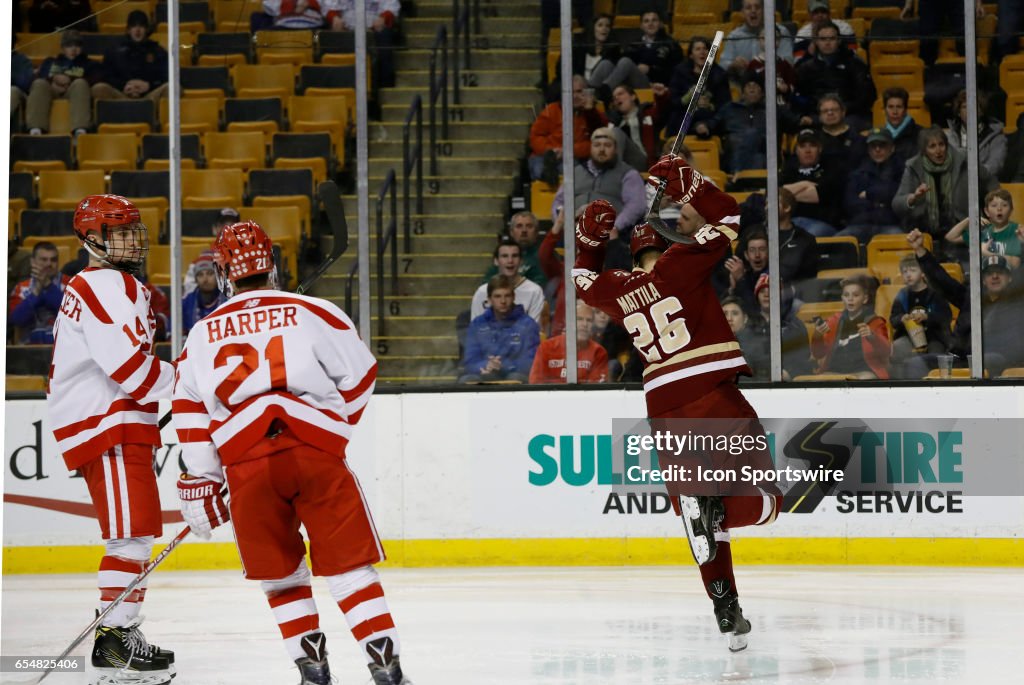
<point>123,239</point>
<point>243,250</point>
<point>644,238</point>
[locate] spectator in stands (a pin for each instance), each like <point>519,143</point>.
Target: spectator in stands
<point>304,14</point>
<point>743,129</point>
<point>47,16</point>
<point>754,346</point>
<point>820,13</point>
<point>683,81</point>
<point>616,342</point>
<point>933,191</point>
<point>640,123</point>
<point>656,54</point>
<point>835,69</point>
<point>746,266</point>
<point>798,251</point>
<point>999,235</point>
<point>854,341</point>
<point>606,177</point>
<point>546,133</point>
<point>1011,26</point>
<point>795,353</point>
<point>841,145</point>
<point>137,68</point>
<point>1013,167</point>
<point>500,342</point>
<point>507,259</point>
<point>932,22</point>
<point>70,76</point>
<point>992,143</point>
<point>785,74</point>
<point>920,320</point>
<point>522,228</point>
<point>741,43</point>
<point>21,82</point>
<point>228,215</point>
<point>35,302</point>
<point>600,61</point>
<point>817,187</point>
<point>871,188</point>
<point>382,19</point>
<point>161,307</point>
<point>206,297</point>
<point>591,359</point>
<point>898,122</point>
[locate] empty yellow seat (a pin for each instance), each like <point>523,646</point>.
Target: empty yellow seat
<point>65,189</point>
<point>234,150</point>
<point>107,151</point>
<point>212,188</point>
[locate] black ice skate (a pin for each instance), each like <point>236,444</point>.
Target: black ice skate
<point>701,516</point>
<point>121,655</point>
<point>729,614</point>
<point>385,669</point>
<point>314,668</point>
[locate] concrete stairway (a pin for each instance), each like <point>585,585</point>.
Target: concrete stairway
<point>465,204</point>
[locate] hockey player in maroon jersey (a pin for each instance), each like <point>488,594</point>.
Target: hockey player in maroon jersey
<point>105,382</point>
<point>268,391</point>
<point>691,358</point>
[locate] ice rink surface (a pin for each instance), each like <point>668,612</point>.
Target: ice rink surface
<point>578,626</point>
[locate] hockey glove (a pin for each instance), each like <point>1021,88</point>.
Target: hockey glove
<point>683,183</point>
<point>202,505</point>
<point>596,223</point>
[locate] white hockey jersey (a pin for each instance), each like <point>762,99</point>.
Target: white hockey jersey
<point>104,377</point>
<point>267,355</point>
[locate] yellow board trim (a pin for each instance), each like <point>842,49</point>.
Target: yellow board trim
<point>579,552</point>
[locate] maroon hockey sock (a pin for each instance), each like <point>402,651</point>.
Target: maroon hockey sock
<point>718,569</point>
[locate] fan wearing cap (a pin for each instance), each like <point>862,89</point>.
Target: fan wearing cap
<point>269,390</point>
<point>819,12</point>
<point>207,295</point>
<point>66,76</point>
<point>105,382</point>
<point>816,185</point>
<point>136,68</point>
<point>668,305</point>
<point>833,68</point>
<point>227,215</point>
<point>871,188</point>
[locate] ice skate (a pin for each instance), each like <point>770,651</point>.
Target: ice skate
<point>121,656</point>
<point>729,615</point>
<point>385,669</point>
<point>701,515</point>
<point>314,668</point>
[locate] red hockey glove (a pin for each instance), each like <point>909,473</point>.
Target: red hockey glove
<point>202,505</point>
<point>596,223</point>
<point>684,183</point>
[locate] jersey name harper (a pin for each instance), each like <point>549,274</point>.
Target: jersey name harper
<point>247,323</point>
<point>635,299</point>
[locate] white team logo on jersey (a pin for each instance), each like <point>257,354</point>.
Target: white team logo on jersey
<point>252,303</point>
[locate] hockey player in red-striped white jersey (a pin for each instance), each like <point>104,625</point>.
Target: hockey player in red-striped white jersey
<point>268,390</point>
<point>691,358</point>
<point>105,382</point>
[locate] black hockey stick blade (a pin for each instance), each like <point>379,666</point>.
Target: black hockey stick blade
<point>330,196</point>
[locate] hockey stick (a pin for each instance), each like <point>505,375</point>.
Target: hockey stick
<point>149,568</point>
<point>653,212</point>
<point>329,194</point>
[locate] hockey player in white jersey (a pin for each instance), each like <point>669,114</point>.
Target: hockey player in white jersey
<point>102,402</point>
<point>268,391</point>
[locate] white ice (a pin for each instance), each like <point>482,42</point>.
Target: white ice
<point>579,626</point>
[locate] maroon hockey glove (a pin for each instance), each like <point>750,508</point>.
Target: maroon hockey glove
<point>596,223</point>
<point>202,505</point>
<point>684,183</point>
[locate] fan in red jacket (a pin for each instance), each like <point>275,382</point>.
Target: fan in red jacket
<point>591,358</point>
<point>854,341</point>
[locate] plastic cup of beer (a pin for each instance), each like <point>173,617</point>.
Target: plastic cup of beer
<point>945,362</point>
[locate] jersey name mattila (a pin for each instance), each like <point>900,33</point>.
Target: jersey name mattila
<point>250,323</point>
<point>635,299</point>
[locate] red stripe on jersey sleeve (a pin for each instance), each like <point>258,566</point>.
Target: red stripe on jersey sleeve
<point>125,371</point>
<point>353,394</point>
<point>84,290</point>
<point>151,378</point>
<point>131,286</point>
<point>188,407</point>
<point>290,595</point>
<point>353,418</point>
<point>73,429</point>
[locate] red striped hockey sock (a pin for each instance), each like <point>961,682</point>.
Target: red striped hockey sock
<point>114,575</point>
<point>361,598</point>
<point>296,615</point>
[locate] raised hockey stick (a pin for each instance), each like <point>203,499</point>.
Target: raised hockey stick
<point>329,194</point>
<point>653,212</point>
<point>150,567</point>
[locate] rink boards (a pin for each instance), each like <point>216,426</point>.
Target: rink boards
<point>519,478</point>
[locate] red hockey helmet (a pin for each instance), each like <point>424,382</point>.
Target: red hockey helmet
<point>123,239</point>
<point>644,237</point>
<point>244,250</point>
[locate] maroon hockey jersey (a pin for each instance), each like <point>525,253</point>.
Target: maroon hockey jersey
<point>673,313</point>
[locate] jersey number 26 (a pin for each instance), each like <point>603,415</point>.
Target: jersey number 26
<point>655,334</point>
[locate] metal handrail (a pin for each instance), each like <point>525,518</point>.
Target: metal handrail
<point>412,159</point>
<point>353,270</point>
<point>438,88</point>
<point>460,39</point>
<point>383,240</point>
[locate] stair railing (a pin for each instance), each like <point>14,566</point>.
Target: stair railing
<point>412,160</point>
<point>386,237</point>
<point>438,90</point>
<point>461,28</point>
